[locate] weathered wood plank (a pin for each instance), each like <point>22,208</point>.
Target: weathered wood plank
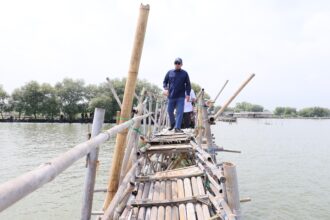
<point>171,147</point>
<point>151,192</point>
<point>182,207</point>
<point>175,210</point>
<point>138,196</point>
<point>171,174</point>
<point>168,196</point>
<point>154,209</point>
<point>201,190</point>
<point>145,194</point>
<point>189,206</point>
<point>198,207</point>
<point>162,196</point>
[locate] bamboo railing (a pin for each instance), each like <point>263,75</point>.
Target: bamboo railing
<point>16,189</point>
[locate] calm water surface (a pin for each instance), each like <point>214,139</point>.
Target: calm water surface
<point>284,167</point>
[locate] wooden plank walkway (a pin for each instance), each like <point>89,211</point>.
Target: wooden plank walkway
<point>173,184</point>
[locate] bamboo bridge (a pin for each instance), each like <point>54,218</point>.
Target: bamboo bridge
<point>155,173</point>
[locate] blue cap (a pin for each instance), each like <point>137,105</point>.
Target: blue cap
<point>178,60</point>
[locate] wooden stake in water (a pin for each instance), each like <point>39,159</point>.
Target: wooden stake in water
<point>232,188</point>
<point>92,158</point>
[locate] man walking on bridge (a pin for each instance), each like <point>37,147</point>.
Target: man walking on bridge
<point>176,85</point>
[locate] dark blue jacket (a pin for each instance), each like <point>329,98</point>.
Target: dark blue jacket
<point>177,82</point>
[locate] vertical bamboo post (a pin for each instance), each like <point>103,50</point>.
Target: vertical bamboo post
<point>117,117</point>
<point>149,119</point>
<point>200,119</point>
<point>127,103</point>
<point>207,127</point>
<point>91,167</point>
<point>131,144</point>
<point>232,188</point>
<point>160,119</point>
<point>155,128</point>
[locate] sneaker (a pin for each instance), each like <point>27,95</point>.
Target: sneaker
<point>178,130</point>
<point>171,128</point>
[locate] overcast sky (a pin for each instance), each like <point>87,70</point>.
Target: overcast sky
<point>285,43</point>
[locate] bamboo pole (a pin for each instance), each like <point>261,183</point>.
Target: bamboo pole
<point>201,190</point>
<point>198,207</point>
<point>108,214</point>
<point>150,196</point>
<point>155,116</point>
<point>114,93</point>
<point>182,207</point>
<point>188,193</point>
<point>18,188</point>
<point>175,210</point>
<point>168,196</point>
<point>215,99</point>
<point>131,145</point>
<point>232,188</point>
<point>127,103</point>
<point>162,196</point>
<point>138,196</point>
<point>117,117</point>
<point>92,159</point>
<point>121,204</point>
<point>199,123</point>
<point>142,210</point>
<point>149,119</point>
<point>207,128</point>
<point>144,121</point>
<point>155,197</point>
<point>222,109</point>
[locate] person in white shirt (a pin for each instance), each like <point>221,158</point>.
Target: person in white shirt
<point>188,111</point>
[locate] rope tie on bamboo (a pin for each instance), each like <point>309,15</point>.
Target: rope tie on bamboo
<point>123,119</point>
<point>142,145</point>
<point>137,130</point>
<point>216,216</point>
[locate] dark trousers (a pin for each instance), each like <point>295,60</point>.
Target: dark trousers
<point>178,105</point>
<point>186,122</point>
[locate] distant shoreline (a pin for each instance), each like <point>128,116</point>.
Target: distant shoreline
<point>88,121</point>
<point>81,121</point>
<point>274,117</point>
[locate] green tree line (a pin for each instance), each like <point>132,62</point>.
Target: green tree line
<point>305,112</point>
<point>72,98</point>
<point>69,98</point>
<point>280,111</point>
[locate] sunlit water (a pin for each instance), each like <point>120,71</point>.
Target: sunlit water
<point>284,167</point>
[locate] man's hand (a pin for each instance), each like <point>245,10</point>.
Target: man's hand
<point>187,98</point>
<point>165,92</point>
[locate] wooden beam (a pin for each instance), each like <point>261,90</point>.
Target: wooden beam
<point>165,202</point>
<point>171,174</point>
